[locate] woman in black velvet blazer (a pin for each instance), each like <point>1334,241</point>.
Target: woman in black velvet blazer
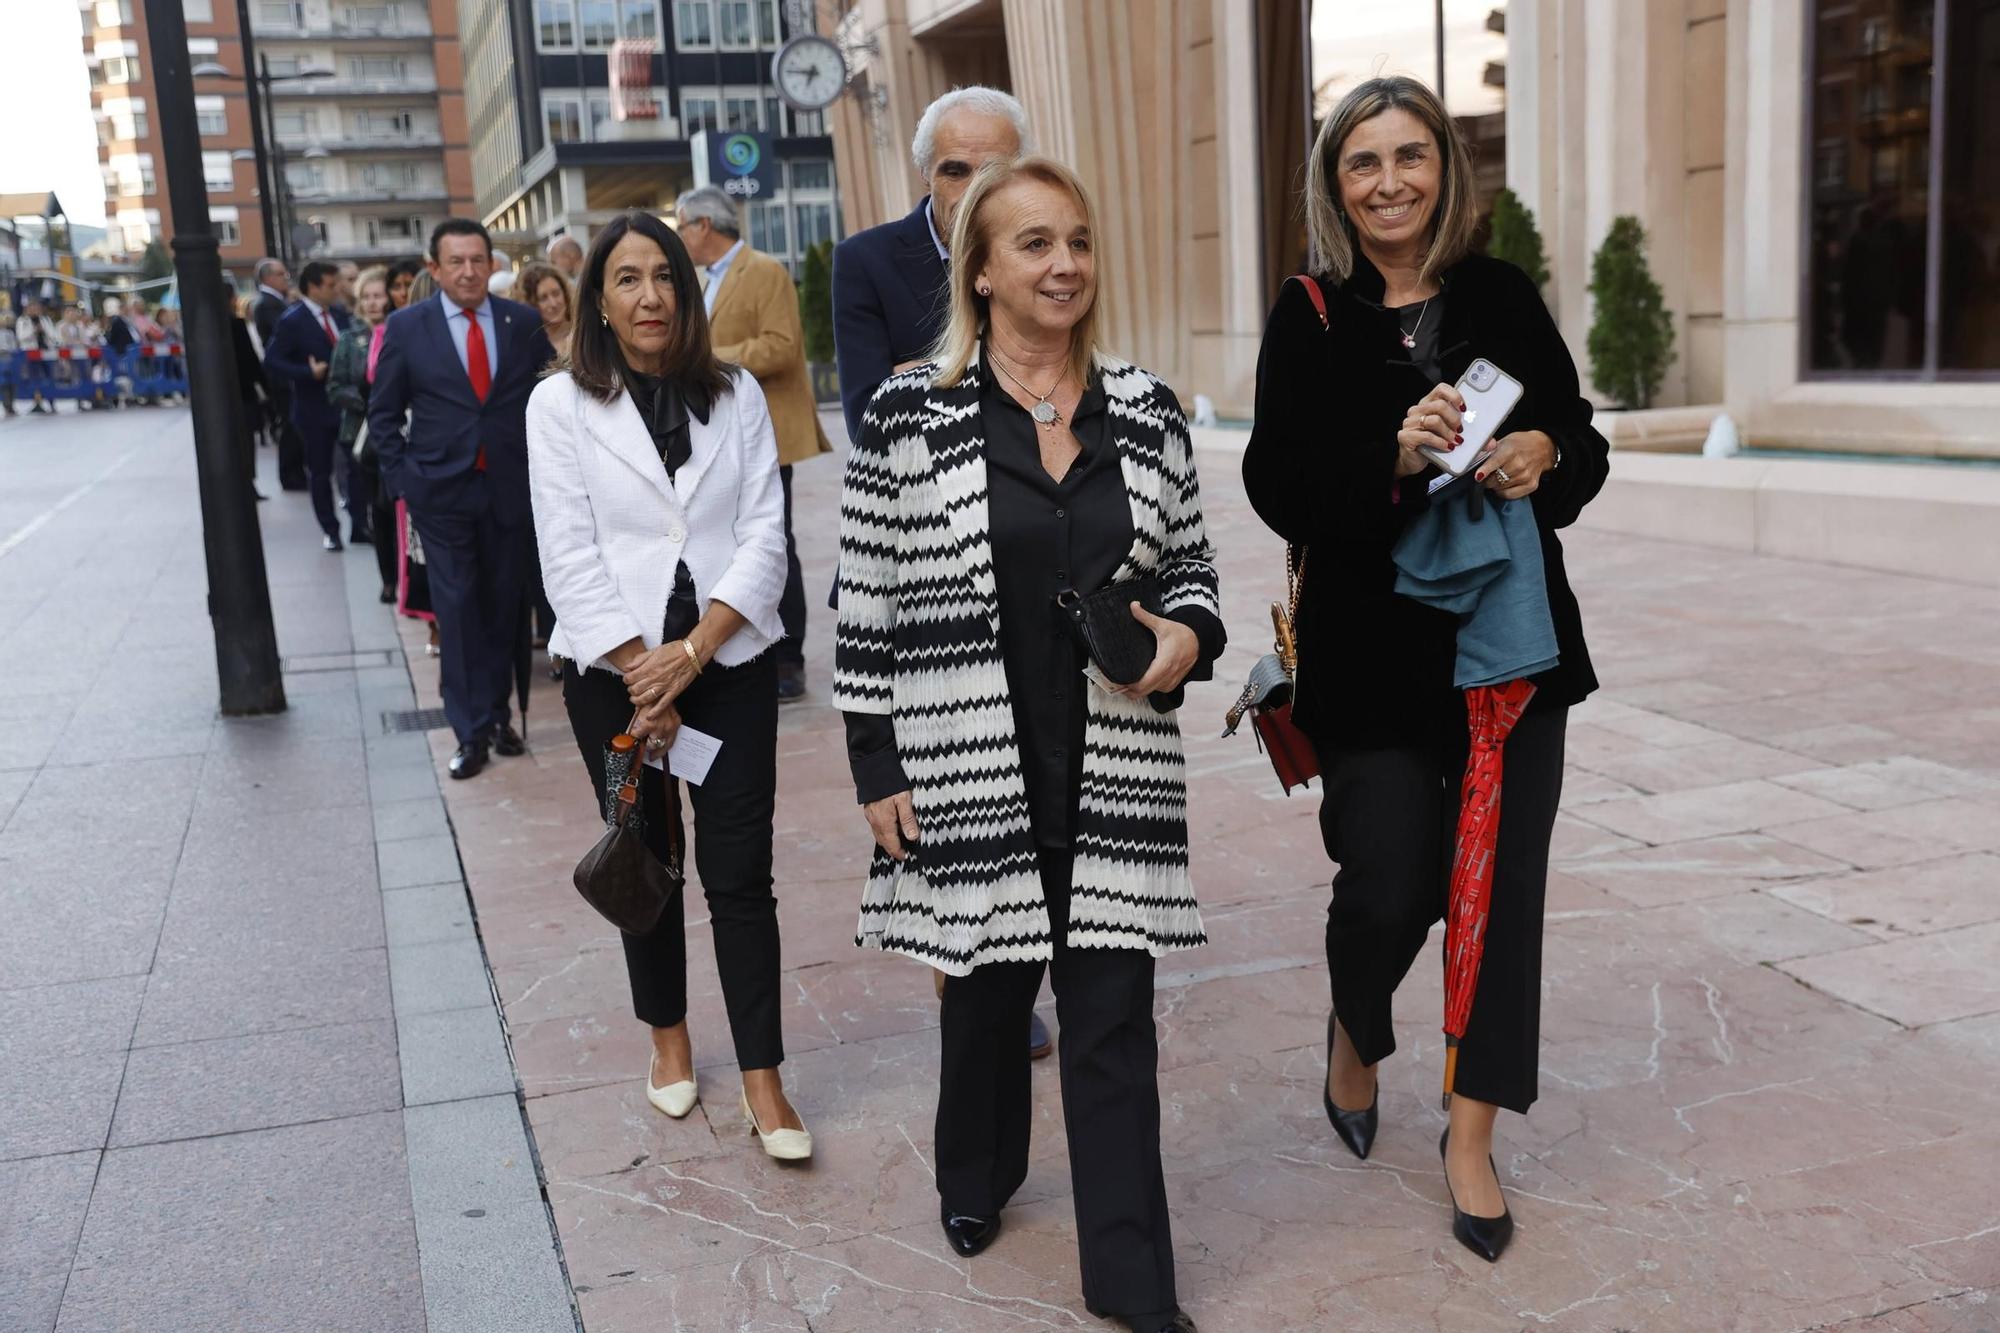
<point>1333,467</point>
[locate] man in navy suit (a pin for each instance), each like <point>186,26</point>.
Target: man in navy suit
<point>888,281</point>
<point>889,299</point>
<point>300,350</point>
<point>274,286</point>
<point>462,365</point>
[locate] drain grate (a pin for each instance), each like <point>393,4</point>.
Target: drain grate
<point>414,719</point>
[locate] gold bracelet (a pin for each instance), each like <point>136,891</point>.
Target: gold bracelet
<point>693,656</point>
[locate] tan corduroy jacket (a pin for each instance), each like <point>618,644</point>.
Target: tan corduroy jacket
<point>755,323</point>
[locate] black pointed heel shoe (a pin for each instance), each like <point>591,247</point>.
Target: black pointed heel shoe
<point>1486,1237</point>
<point>970,1235</point>
<point>1355,1128</point>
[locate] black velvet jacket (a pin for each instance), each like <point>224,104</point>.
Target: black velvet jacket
<point>1374,667</point>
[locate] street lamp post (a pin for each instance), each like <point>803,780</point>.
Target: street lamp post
<point>239,595</point>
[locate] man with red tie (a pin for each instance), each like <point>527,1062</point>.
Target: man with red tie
<point>461,367</point>
<point>300,350</point>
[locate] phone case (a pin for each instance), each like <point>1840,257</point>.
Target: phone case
<point>1490,393</point>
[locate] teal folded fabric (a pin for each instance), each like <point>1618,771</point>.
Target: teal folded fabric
<point>1486,570</point>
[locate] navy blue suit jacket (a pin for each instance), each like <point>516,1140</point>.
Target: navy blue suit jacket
<point>889,305</point>
<point>296,337</point>
<point>430,462</point>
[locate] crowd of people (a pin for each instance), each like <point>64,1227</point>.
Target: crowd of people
<point>597,448</point>
<point>66,335</point>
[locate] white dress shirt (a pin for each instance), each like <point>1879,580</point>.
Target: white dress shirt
<point>716,273</point>
<point>454,319</point>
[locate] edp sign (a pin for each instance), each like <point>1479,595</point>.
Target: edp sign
<point>742,162</point>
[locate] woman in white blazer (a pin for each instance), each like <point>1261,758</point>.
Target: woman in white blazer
<point>660,520</point>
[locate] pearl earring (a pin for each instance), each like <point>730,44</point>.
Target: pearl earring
<point>985,291</point>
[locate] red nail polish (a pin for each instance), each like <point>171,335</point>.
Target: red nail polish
<point>1458,439</point>
<point>1479,477</point>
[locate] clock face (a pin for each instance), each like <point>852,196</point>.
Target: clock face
<point>809,72</point>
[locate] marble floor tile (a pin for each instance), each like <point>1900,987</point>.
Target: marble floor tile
<point>1929,979</point>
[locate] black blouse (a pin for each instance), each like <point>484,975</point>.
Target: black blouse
<point>665,405</point>
<point>1047,535</point>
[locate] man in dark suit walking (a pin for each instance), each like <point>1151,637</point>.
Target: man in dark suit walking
<point>889,296</point>
<point>888,281</point>
<point>274,297</point>
<point>299,352</point>
<point>462,365</point>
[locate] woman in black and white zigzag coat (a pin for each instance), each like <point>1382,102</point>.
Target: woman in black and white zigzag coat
<point>1027,815</point>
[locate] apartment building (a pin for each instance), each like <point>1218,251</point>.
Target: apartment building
<point>129,153</point>
<point>367,116</point>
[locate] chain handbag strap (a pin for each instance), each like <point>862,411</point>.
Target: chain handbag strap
<point>1295,556</point>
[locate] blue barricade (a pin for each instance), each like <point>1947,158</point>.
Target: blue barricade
<point>97,374</point>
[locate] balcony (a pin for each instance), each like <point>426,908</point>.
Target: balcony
<point>415,140</point>
<point>346,27</point>
<point>313,89</point>
<point>368,194</point>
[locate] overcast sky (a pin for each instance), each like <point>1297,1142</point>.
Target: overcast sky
<point>51,143</point>
<point>55,146</point>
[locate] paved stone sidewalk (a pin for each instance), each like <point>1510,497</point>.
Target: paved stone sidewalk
<point>251,1072</point>
<point>1771,1032</point>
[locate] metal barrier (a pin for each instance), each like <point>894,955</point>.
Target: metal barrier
<point>97,374</point>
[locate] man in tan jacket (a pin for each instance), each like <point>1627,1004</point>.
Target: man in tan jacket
<point>753,318</point>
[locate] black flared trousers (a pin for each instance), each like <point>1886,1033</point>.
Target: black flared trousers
<point>1390,820</point>
<point>1108,1056</point>
<point>733,810</point>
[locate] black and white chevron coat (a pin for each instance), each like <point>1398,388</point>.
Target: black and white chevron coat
<point>919,640</point>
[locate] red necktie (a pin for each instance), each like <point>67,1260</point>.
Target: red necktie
<point>326,322</point>
<point>476,368</point>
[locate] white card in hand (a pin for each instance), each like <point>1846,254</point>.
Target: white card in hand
<point>690,756</point>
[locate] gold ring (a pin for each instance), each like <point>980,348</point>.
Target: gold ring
<point>1501,473</point>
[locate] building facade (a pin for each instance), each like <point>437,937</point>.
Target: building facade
<point>613,90</point>
<point>121,100</point>
<point>1819,179</point>
<point>368,120</point>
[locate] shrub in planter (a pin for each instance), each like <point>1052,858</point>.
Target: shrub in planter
<point>1632,335</point>
<point>816,315</point>
<point>1516,239</point>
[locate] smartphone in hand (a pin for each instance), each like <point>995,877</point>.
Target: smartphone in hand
<point>1490,393</point>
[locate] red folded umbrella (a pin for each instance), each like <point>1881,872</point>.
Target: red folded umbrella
<point>1491,712</point>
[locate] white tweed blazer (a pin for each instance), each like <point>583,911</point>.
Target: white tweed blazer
<point>919,640</point>
<point>612,528</point>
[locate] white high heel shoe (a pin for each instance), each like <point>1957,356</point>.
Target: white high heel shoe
<point>676,1099</point>
<point>787,1145</point>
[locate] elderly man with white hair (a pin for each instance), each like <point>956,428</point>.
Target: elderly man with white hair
<point>566,253</point>
<point>888,281</point>
<point>889,298</point>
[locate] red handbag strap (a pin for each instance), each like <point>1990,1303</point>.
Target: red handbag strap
<point>1311,284</point>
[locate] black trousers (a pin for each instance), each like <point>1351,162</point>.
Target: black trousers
<point>320,447</point>
<point>291,445</point>
<point>1109,1060</point>
<point>733,811</point>
<point>474,563</point>
<point>1390,819</point>
<point>791,650</point>
<point>382,522</point>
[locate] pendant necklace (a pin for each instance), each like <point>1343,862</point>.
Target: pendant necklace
<point>1410,334</point>
<point>1044,412</point>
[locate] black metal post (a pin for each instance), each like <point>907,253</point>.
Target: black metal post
<point>1439,32</point>
<point>239,595</point>
<point>259,94</point>
<point>279,185</point>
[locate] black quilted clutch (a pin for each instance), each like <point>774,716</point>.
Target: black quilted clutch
<point>1101,623</point>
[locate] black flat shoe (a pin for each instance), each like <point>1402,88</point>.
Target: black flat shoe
<point>387,597</point>
<point>471,757</point>
<point>970,1235</point>
<point>1486,1237</point>
<point>1355,1128</point>
<point>508,742</point>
